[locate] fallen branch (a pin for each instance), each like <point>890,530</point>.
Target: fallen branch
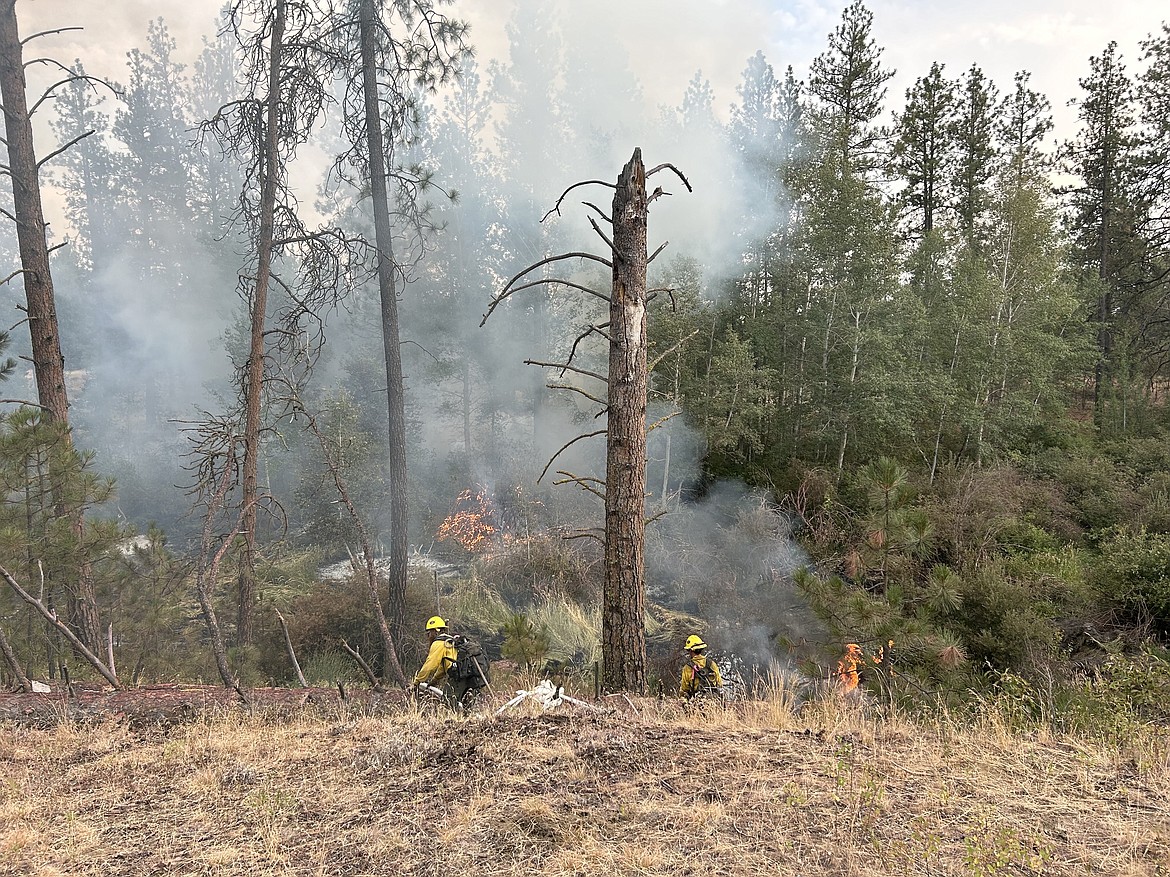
<point>292,655</point>
<point>62,628</point>
<point>375,683</point>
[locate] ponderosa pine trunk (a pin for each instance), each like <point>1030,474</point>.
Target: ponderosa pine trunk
<point>254,373</point>
<point>48,360</point>
<point>623,633</point>
<point>391,344</point>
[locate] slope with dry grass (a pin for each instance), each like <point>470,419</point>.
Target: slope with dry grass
<point>650,790</point>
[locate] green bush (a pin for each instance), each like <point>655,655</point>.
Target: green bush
<point>1126,691</point>
<point>1099,490</point>
<point>1134,573</point>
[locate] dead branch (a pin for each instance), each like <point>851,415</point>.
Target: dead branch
<point>205,576</point>
<point>557,207</point>
<point>668,166</point>
<point>566,447</point>
<point>671,350</point>
<point>13,662</point>
<point>655,195</point>
<point>110,649</point>
<point>580,481</point>
<point>61,149</point>
<point>590,330</point>
<point>361,662</point>
<point>75,77</point>
<point>565,367</point>
<point>393,667</point>
<point>584,534</point>
<point>49,33</point>
<point>602,235</point>
<point>599,211</point>
<point>507,290</point>
<point>288,644</point>
<point>588,396</point>
<point>661,420</point>
<point>51,616</point>
<point>554,281</point>
<point>654,517</point>
<point>652,294</point>
<point>662,246</point>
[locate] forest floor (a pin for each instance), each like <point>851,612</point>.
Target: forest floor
<point>308,785</point>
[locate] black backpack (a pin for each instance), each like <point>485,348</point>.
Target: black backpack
<point>470,664</point>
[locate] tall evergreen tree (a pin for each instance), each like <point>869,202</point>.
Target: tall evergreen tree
<point>848,82</point>
<point>1103,209</point>
<point>925,155</point>
<point>973,136</point>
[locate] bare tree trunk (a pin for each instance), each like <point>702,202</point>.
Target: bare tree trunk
<point>395,393</point>
<point>10,659</point>
<point>254,375</point>
<point>48,360</point>
<point>623,633</point>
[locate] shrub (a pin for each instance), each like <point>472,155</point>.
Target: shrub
<point>1127,690</point>
<point>1134,572</point>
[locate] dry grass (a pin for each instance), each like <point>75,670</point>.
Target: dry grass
<point>653,789</point>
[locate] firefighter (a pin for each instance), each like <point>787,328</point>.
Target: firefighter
<point>700,675</point>
<point>443,653</point>
<point>440,657</point>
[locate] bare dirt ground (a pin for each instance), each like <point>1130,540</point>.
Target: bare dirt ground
<point>326,788</point>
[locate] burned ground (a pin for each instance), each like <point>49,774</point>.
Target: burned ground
<point>330,789</point>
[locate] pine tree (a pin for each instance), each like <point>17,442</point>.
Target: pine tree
<point>848,82</point>
<point>1104,210</point>
<point>925,155</point>
<point>975,154</point>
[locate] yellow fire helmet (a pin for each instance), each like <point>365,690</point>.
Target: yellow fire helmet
<point>435,622</point>
<point>694,642</point>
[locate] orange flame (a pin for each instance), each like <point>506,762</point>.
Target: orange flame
<point>471,522</point>
<point>847,676</point>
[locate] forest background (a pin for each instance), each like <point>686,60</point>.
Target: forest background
<point>917,342</point>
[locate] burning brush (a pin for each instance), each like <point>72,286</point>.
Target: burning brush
<point>472,522</point>
<point>848,673</point>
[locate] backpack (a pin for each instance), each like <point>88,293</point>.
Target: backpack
<point>704,678</point>
<point>470,664</point>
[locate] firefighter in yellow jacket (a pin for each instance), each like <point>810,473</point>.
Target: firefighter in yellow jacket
<point>440,657</point>
<point>700,675</point>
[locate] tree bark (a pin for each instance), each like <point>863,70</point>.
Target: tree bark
<point>623,632</point>
<point>48,360</point>
<point>18,674</point>
<point>395,393</point>
<point>254,374</point>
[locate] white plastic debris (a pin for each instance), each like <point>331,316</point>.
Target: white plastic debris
<point>548,696</point>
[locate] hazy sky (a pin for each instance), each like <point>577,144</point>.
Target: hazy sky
<point>669,39</point>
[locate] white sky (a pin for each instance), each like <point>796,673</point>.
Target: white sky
<point>668,40</point>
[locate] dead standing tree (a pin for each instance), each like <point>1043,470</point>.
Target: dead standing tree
<point>287,71</point>
<point>623,633</point>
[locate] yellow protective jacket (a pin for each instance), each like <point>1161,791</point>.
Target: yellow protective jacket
<point>699,674</point>
<point>439,659</point>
